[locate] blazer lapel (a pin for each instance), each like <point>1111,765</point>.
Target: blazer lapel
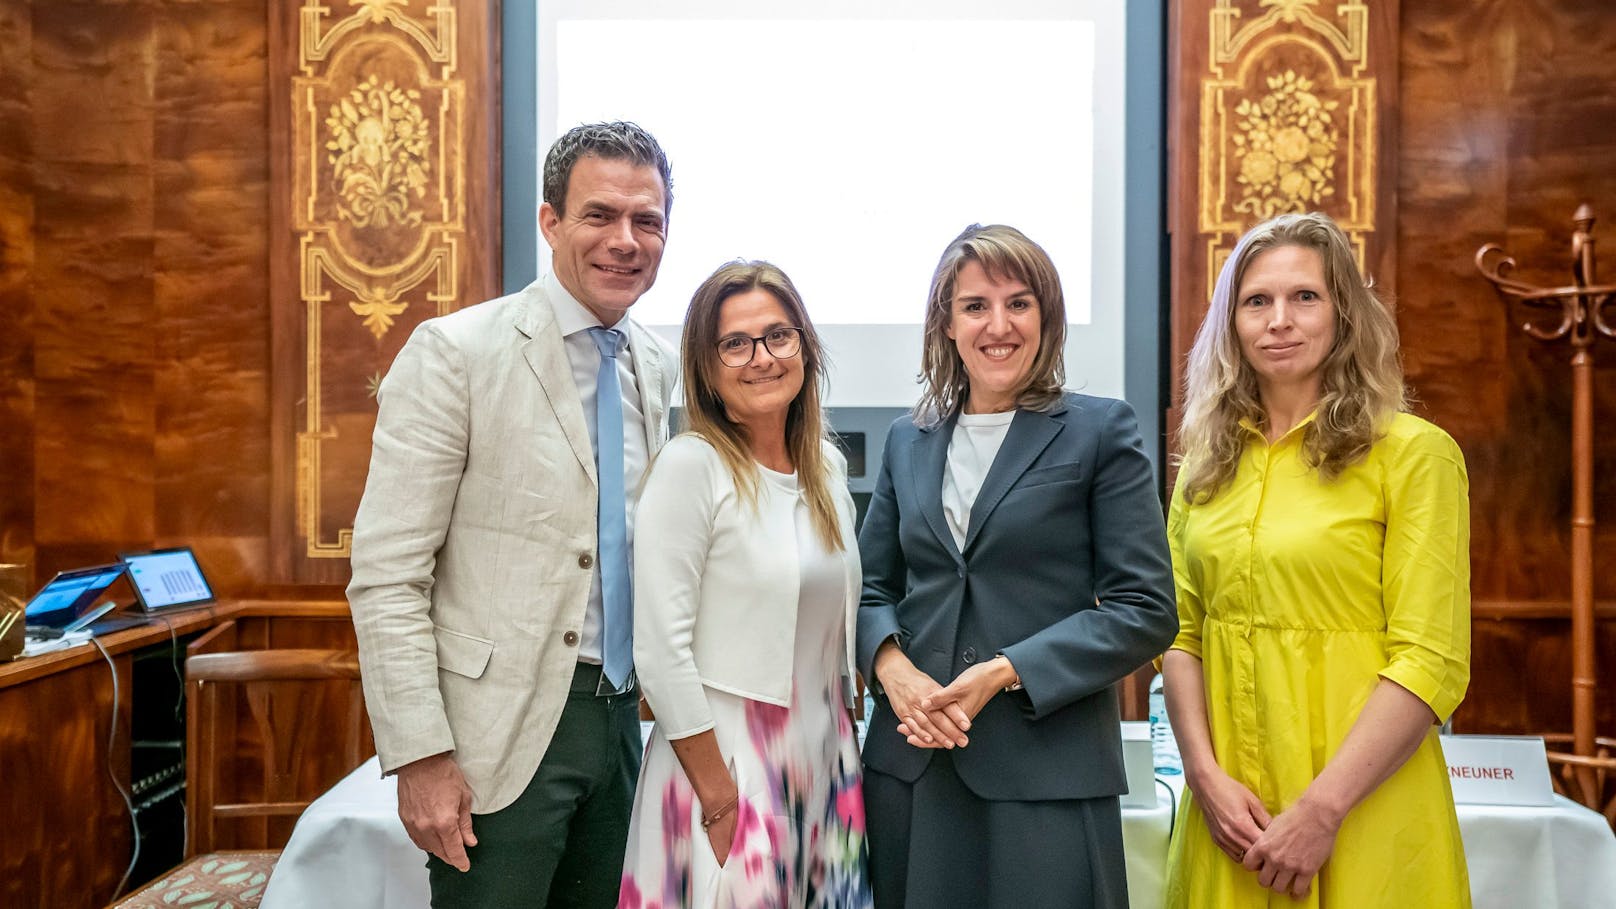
<point>648,368</point>
<point>546,355</point>
<point>929,456</point>
<point>1030,433</point>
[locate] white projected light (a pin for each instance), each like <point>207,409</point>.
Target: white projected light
<point>849,144</point>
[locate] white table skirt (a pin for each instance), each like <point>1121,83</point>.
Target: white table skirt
<point>349,849</point>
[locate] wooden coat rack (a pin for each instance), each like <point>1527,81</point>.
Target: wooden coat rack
<point>1576,313</point>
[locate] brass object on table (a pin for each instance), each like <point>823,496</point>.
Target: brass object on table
<point>1577,313</point>
<point>13,597</point>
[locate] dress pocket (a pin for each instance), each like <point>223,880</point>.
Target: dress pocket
<point>751,874</point>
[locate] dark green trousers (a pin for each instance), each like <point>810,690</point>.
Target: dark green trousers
<point>560,844</point>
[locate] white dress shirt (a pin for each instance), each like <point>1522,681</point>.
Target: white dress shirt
<point>575,321</point>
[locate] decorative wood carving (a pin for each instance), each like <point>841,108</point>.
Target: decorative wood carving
<point>381,221</point>
<point>1276,106</point>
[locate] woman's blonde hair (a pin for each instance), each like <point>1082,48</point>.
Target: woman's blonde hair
<point>1361,381</point>
<point>705,411</point>
<point>1004,253</point>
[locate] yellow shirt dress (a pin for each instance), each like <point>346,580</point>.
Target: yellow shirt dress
<point>1298,596</point>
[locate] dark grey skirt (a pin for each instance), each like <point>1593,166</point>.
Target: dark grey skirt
<point>934,844</point>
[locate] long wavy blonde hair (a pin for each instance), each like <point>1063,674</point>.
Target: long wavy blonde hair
<point>1361,380</point>
<point>1004,253</point>
<point>805,424</point>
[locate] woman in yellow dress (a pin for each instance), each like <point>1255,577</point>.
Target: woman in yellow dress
<point>1320,540</point>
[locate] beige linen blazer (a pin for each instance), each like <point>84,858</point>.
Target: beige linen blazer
<point>475,539</point>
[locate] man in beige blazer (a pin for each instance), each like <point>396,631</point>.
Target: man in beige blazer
<point>484,618</point>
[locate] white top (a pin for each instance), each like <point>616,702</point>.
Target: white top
<point>575,321</point>
<point>822,581</point>
<point>971,450</point>
<point>716,598</point>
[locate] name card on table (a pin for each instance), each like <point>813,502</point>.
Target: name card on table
<point>1138,761</point>
<point>1498,770</point>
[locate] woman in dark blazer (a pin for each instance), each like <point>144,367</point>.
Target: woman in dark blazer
<point>1015,568</point>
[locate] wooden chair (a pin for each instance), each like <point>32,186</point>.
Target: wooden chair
<point>250,772</point>
<point>288,726</point>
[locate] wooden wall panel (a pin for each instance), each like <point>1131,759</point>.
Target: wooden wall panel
<point>211,291</point>
<point>138,359</point>
<point>63,820</point>
<point>92,273</point>
<point>1521,681</point>
<point>1509,123</point>
<point>134,387</point>
<point>16,299</point>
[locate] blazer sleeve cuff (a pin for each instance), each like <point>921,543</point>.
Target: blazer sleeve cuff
<point>876,624</point>
<point>394,755</point>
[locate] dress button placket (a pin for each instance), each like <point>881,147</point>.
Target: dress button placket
<point>1246,685</point>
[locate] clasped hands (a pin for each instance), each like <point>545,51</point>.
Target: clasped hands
<point>932,715</point>
<point>1285,851</point>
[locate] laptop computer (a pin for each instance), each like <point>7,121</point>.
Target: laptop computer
<point>167,579</point>
<point>69,595</point>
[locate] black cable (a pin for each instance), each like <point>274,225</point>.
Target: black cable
<point>179,710</point>
<point>1172,805</point>
<point>112,739</point>
<point>174,653</point>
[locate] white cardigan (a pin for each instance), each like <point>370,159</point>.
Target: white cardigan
<point>716,585</point>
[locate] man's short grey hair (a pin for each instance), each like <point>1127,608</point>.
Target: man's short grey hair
<point>614,141</point>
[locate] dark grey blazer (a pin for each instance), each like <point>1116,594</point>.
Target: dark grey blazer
<point>1065,570</point>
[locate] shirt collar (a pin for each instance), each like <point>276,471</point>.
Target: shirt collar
<point>570,315</point>
<point>1256,430</point>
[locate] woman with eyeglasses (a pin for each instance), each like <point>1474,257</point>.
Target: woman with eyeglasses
<point>1015,568</point>
<point>746,579</point>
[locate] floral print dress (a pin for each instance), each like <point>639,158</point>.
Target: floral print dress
<point>799,839</point>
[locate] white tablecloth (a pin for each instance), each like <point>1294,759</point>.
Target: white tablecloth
<point>349,849</point>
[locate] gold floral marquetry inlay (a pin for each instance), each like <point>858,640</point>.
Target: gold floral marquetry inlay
<point>378,204</point>
<point>377,308</point>
<point>1288,120</point>
<point>379,153</point>
<point>1286,143</point>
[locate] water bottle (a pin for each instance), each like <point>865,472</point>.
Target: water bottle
<point>1163,748</point>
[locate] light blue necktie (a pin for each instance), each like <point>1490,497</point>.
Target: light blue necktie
<point>616,585</point>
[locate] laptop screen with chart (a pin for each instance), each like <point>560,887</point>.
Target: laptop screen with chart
<point>167,577</point>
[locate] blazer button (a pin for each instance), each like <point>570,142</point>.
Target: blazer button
<point>961,571</point>
<point>969,655</point>
<point>570,638</point>
<point>585,560</point>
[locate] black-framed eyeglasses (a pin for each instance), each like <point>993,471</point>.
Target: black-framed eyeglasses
<point>783,343</point>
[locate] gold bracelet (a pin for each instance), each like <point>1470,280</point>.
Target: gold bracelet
<point>708,820</point>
